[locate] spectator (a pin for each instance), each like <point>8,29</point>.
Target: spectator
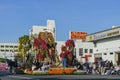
<point>10,64</point>
<point>15,65</point>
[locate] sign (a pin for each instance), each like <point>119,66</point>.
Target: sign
<point>78,35</point>
<point>104,34</point>
<point>114,33</point>
<point>100,36</point>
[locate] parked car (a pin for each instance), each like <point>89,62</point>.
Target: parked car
<point>3,66</point>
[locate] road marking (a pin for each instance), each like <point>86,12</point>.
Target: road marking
<point>20,77</point>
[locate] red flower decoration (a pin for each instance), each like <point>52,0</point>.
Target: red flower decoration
<point>41,44</point>
<point>39,56</point>
<point>63,48</point>
<point>70,43</point>
<point>70,55</point>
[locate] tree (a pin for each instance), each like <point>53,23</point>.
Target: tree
<point>24,45</point>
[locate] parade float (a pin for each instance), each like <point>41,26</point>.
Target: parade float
<point>45,53</point>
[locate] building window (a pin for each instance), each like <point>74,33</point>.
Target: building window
<point>105,53</point>
<point>97,50</point>
<point>2,50</point>
<point>11,50</point>
<point>80,51</point>
<point>7,50</point>
<point>91,50</point>
<point>15,50</point>
<point>95,44</point>
<point>86,50</point>
<point>111,53</point>
<point>2,46</point>
<point>6,46</point>
<point>11,46</point>
<point>15,46</point>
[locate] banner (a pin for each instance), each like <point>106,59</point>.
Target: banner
<point>78,35</point>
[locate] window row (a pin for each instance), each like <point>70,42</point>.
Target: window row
<point>8,46</point>
<point>2,50</point>
<point>81,51</point>
<point>111,53</point>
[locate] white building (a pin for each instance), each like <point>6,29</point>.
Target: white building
<point>106,44</point>
<point>49,28</point>
<point>84,50</point>
<point>81,50</point>
<point>8,50</point>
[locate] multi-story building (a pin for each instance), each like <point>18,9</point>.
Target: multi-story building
<point>8,50</point>
<point>84,51</point>
<point>35,30</point>
<point>106,44</point>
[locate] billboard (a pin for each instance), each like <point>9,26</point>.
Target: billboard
<point>78,35</point>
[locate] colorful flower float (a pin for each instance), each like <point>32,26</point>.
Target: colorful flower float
<point>45,48</point>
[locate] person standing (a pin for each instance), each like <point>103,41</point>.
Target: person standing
<point>102,66</point>
<point>10,64</point>
<point>15,65</point>
<point>63,56</point>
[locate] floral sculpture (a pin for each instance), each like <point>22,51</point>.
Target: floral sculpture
<point>41,46</point>
<point>68,52</point>
<point>70,49</point>
<point>45,47</point>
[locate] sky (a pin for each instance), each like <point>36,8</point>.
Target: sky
<point>18,16</point>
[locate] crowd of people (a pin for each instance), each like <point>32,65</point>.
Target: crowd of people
<point>100,67</point>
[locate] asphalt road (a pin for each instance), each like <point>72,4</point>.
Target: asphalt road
<point>4,75</point>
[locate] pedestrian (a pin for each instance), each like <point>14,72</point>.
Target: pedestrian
<point>15,66</point>
<point>102,66</point>
<point>10,64</point>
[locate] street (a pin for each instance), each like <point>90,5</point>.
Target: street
<point>4,75</point>
<point>59,77</point>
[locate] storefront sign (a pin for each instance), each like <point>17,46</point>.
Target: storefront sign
<point>78,35</point>
<point>113,33</point>
<point>99,36</point>
<point>104,34</point>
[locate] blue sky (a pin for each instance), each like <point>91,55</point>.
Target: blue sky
<point>18,16</point>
